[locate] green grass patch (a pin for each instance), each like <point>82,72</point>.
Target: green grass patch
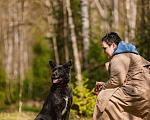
<point>32,109</point>
<point>3,108</point>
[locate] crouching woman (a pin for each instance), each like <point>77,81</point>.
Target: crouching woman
<point>126,95</point>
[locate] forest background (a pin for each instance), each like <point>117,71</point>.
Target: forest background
<point>34,31</point>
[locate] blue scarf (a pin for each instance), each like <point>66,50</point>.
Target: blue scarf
<point>124,47</point>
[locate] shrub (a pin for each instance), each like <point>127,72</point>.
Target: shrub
<point>84,99</point>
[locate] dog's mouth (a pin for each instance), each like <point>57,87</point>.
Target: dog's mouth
<point>56,80</point>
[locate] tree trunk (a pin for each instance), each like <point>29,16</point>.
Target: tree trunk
<point>51,22</point>
<point>142,18</point>
<point>65,32</point>
<point>74,43</point>
<point>8,51</point>
<point>130,23</point>
<point>116,16</point>
<point>105,27</point>
<point>148,36</point>
<point>21,51</point>
<point>127,5</point>
<point>85,31</point>
<point>133,20</point>
<point>16,43</point>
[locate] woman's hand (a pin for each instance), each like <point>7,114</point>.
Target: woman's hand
<point>98,85</point>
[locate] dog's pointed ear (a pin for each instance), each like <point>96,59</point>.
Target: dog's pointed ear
<point>52,64</point>
<point>68,65</point>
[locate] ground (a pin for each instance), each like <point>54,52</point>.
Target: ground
<point>29,116</point>
<point>30,110</point>
<point>17,116</point>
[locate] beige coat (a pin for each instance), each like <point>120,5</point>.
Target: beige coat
<point>126,95</point>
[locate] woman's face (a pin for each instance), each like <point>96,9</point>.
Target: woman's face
<point>108,50</point>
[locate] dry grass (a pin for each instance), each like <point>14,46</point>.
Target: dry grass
<point>17,116</point>
<point>29,112</point>
<point>29,116</point>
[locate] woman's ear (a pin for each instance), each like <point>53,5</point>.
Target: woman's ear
<point>114,45</point>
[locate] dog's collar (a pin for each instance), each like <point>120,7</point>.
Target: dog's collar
<point>64,85</point>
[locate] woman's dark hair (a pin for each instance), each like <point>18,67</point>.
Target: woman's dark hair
<point>111,37</point>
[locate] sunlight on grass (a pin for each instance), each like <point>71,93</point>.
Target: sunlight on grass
<point>17,116</point>
<point>30,116</point>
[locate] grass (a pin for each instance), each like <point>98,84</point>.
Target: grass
<point>26,115</point>
<point>17,116</point>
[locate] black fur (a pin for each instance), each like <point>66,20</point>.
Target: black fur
<point>60,96</point>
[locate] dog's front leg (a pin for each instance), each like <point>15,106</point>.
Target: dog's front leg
<point>58,115</point>
<point>59,118</point>
<point>66,116</point>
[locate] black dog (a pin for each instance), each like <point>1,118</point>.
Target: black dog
<point>58,103</point>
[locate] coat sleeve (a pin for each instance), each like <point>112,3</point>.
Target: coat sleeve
<point>119,67</point>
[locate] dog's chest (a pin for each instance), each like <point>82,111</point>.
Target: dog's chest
<point>66,103</point>
<point>62,99</point>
